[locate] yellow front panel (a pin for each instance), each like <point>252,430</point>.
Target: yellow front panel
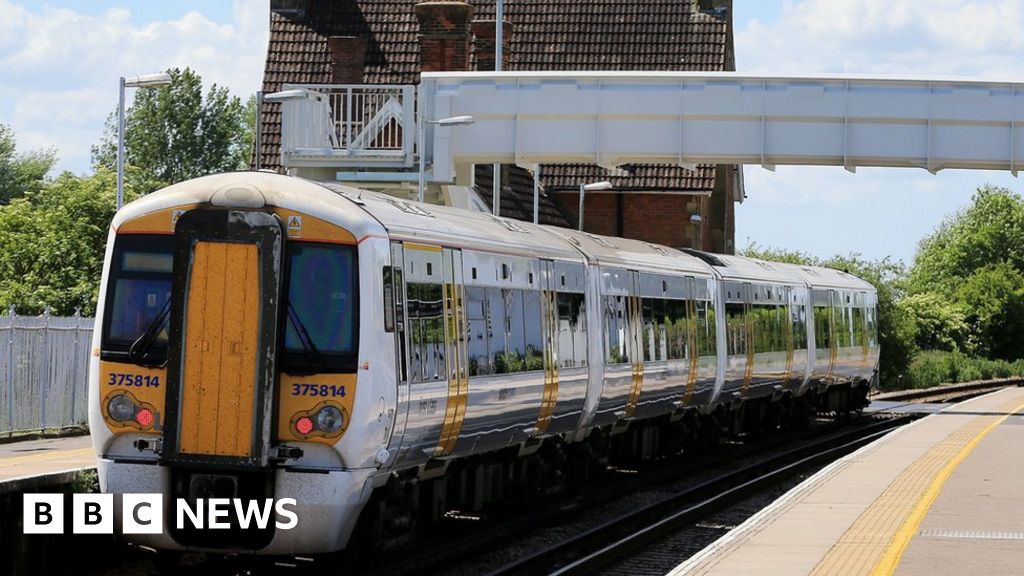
<point>221,329</point>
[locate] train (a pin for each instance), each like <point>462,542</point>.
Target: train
<point>385,362</point>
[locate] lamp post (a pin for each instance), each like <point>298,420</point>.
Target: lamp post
<point>448,122</point>
<point>593,187</point>
<point>146,81</point>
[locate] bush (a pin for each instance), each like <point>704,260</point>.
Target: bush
<point>935,367</point>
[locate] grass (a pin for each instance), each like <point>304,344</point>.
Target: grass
<point>931,368</point>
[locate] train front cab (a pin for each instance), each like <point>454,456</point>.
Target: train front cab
<point>227,369</point>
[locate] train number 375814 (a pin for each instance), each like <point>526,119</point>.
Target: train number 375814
<point>136,380</point>
<point>318,390</point>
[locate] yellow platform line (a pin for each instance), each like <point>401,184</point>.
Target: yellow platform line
<point>891,558</point>
<point>876,540</point>
<point>62,457</point>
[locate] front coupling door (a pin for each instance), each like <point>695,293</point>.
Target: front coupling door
<point>227,285</point>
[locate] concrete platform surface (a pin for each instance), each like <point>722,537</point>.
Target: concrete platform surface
<point>944,495</point>
<point>27,464</point>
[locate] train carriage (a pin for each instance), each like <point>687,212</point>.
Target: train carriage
<point>260,336</point>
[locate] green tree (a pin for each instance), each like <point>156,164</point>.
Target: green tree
<point>174,133</point>
<point>52,242</point>
<point>989,231</point>
<point>939,322</point>
<point>993,298</point>
<point>20,173</point>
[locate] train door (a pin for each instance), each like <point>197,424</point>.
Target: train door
<point>394,321</point>
<point>835,329</point>
<point>549,322</point>
<point>455,337</point>
<point>634,327</point>
<point>693,347</point>
<point>748,328</point>
<point>223,338</point>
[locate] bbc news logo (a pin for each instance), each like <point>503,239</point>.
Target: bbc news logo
<point>144,513</point>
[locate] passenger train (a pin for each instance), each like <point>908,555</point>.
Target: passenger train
<point>385,362</point>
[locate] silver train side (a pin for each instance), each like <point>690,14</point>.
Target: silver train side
<point>481,342</point>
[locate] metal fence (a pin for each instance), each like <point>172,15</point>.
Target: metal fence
<point>350,122</point>
<point>44,371</point>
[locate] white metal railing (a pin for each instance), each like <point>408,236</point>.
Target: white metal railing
<point>349,125</point>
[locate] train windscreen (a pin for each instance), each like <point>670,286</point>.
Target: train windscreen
<point>321,319</point>
<point>138,294</point>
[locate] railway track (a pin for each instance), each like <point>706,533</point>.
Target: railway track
<point>460,552</point>
<point>618,537</point>
<point>948,392</point>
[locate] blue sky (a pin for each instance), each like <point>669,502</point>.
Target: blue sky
<point>60,60</point>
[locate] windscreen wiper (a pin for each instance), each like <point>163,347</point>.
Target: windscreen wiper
<point>139,351</point>
<point>316,362</point>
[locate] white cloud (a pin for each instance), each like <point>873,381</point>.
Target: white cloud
<point>60,67</point>
<point>934,37</point>
<point>877,211</point>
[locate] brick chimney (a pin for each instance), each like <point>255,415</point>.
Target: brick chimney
<point>444,35</point>
<point>484,46</point>
<point>348,59</point>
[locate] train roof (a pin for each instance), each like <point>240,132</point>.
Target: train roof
<point>412,221</point>
<point>456,227</point>
<point>821,277</point>
<point>633,254</point>
<point>741,268</point>
<point>441,224</point>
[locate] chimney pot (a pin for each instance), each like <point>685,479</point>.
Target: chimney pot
<point>484,32</point>
<point>348,59</point>
<point>444,35</point>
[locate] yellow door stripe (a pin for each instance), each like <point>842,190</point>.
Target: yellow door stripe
<point>748,326</point>
<point>550,396</point>
<point>694,364</point>
<point>458,381</point>
<point>637,383</point>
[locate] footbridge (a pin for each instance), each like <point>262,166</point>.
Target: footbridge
<point>618,118</point>
<point>611,119</point>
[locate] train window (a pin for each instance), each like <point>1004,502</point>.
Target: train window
<point>321,308</point>
<point>799,320</point>
<point>533,330</point>
<point>425,318</point>
<point>616,330</point>
<point>735,329</point>
<point>655,338</point>
<point>572,330</point>
<point>822,327</point>
<point>770,331</point>
<point>138,295</point>
<point>480,330</point>
<point>706,343</point>
<point>675,322</point>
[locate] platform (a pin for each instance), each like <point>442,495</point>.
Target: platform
<point>940,496</point>
<point>36,463</point>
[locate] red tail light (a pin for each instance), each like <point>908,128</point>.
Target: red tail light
<point>144,417</point>
<point>304,425</point>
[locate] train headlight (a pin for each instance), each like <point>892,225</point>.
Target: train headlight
<point>329,419</point>
<point>121,408</point>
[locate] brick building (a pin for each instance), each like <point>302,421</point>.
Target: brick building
<point>391,41</point>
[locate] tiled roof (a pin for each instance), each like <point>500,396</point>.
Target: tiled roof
<point>548,35</point>
<point>636,177</point>
<point>517,195</point>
